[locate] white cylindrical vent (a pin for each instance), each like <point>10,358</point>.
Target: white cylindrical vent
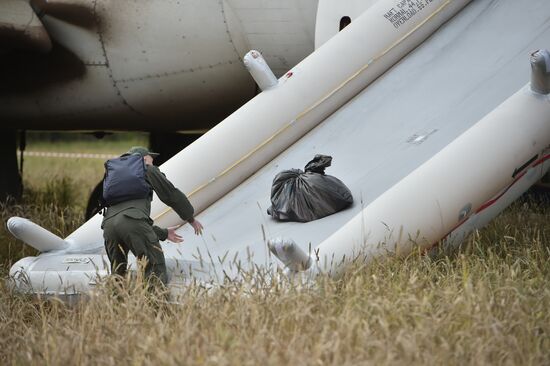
<point>293,257</point>
<point>540,72</point>
<point>260,70</point>
<point>35,235</point>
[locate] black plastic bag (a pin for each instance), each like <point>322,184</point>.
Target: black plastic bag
<point>310,195</point>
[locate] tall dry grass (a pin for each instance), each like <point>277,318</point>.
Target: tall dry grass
<point>486,304</point>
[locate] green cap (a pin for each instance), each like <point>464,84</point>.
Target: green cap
<point>143,151</point>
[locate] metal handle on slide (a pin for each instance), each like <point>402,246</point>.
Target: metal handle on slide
<point>540,71</point>
<point>288,252</point>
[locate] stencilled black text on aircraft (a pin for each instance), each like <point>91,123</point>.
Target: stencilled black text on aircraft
<point>404,10</point>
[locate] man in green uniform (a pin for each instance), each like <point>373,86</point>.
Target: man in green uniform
<point>127,226</point>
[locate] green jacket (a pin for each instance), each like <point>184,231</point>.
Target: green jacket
<point>141,208</point>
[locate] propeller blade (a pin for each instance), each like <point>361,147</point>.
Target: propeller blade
<point>67,10</point>
<point>21,29</point>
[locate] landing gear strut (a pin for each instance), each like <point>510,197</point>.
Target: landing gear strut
<point>168,144</point>
<point>11,186</point>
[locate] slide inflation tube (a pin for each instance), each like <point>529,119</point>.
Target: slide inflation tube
<point>35,235</point>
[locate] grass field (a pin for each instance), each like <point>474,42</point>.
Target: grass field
<point>486,304</point>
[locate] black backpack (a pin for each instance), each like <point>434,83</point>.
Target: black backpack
<point>125,180</point>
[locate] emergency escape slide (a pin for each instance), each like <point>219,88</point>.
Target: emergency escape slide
<point>275,119</point>
<point>456,181</point>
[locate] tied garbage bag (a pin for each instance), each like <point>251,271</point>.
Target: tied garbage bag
<point>306,196</point>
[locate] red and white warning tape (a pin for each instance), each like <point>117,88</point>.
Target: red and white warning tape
<point>47,154</point>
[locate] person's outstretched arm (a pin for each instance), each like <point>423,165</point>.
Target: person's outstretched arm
<point>172,197</point>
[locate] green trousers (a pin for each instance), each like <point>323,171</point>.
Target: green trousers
<point>123,233</point>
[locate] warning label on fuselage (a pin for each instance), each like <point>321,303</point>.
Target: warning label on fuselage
<point>404,10</point>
